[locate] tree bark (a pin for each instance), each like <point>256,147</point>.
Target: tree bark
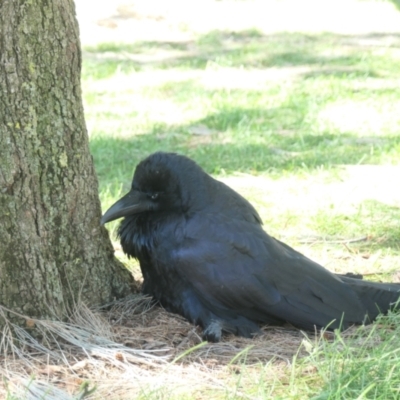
<point>52,248</point>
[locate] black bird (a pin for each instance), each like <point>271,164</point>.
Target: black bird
<point>204,255</point>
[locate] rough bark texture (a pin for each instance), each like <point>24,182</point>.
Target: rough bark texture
<point>52,249</point>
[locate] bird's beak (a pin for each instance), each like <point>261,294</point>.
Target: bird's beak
<point>133,202</point>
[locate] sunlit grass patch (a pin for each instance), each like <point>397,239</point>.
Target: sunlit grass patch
<point>371,219</point>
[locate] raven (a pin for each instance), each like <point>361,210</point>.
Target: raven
<point>204,255</point>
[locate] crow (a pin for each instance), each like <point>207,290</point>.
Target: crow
<point>204,255</point>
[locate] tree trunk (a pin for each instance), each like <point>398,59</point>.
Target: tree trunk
<point>52,248</point>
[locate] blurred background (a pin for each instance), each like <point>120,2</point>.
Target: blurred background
<point>295,104</point>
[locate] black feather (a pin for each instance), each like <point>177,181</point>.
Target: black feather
<point>204,255</point>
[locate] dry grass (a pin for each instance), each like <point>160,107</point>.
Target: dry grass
<point>135,349</point>
<point>126,351</point>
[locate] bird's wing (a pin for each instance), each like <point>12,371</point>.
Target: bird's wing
<point>234,264</point>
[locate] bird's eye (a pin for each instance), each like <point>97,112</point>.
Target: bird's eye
<point>154,196</point>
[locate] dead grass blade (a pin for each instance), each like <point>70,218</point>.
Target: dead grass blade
<point>126,352</point>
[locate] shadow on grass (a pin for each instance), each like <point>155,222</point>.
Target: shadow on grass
<point>296,152</point>
<point>255,139</point>
<point>271,152</point>
<point>344,73</point>
<point>249,49</point>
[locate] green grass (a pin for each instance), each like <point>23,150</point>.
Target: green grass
<point>360,367</point>
<point>358,364</point>
<point>301,112</point>
<point>280,104</point>
<point>371,218</point>
<point>300,119</point>
<point>250,49</point>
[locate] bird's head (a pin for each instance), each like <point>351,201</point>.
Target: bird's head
<point>162,182</point>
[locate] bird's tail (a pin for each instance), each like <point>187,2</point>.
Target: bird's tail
<point>378,298</point>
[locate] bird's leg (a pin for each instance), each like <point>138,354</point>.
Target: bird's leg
<point>213,331</point>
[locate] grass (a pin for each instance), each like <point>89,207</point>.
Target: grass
<point>362,366</point>
<point>276,105</point>
<point>271,103</point>
<point>357,366</point>
<point>305,124</point>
